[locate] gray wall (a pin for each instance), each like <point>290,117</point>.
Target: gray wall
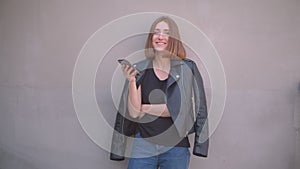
<point>258,42</point>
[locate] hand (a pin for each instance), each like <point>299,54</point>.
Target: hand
<point>129,72</point>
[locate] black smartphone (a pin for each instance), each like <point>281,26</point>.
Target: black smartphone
<point>126,62</point>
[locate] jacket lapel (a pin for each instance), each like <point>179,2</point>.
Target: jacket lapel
<point>174,72</point>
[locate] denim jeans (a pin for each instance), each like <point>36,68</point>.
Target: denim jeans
<point>146,155</point>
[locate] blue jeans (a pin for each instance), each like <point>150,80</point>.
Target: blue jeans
<point>146,155</point>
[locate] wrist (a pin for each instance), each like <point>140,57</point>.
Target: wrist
<point>132,80</point>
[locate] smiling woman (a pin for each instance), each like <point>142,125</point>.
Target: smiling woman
<point>160,36</point>
<point>164,30</point>
<point>158,104</point>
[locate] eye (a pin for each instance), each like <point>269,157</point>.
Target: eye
<point>163,33</point>
<point>166,33</point>
<point>156,32</point>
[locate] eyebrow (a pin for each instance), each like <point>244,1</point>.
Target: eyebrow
<point>162,29</point>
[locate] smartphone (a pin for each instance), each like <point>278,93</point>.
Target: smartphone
<point>126,62</point>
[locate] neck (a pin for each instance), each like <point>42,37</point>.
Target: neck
<point>161,62</point>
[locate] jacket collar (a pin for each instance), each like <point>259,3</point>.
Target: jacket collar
<point>174,71</point>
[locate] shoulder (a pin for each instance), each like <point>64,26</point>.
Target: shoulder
<point>143,64</point>
<point>186,60</point>
<point>189,62</point>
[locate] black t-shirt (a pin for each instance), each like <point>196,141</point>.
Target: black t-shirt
<point>154,92</point>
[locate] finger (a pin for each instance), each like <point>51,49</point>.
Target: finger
<point>133,72</point>
<point>128,68</point>
<point>125,68</point>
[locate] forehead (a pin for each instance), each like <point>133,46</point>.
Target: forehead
<point>162,25</point>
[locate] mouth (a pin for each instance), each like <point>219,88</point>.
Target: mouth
<point>161,43</point>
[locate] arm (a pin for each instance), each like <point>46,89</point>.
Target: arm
<point>201,124</point>
<point>134,93</point>
<point>134,100</point>
<point>156,109</point>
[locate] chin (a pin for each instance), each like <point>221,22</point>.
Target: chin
<point>160,49</point>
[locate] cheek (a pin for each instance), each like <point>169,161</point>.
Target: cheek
<point>153,38</point>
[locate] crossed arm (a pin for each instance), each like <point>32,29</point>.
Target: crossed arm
<point>135,107</point>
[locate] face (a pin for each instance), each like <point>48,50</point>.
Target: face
<point>161,36</point>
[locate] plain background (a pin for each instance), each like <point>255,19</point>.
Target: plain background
<point>257,40</point>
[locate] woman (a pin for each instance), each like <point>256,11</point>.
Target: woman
<point>162,102</point>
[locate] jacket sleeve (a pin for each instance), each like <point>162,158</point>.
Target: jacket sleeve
<point>201,124</point>
<point>123,128</point>
<point>118,140</point>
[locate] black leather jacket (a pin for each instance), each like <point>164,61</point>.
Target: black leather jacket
<point>186,103</point>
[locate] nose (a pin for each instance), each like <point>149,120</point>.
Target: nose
<point>160,35</point>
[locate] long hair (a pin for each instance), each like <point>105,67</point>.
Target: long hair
<point>174,47</point>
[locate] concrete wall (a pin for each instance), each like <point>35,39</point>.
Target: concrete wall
<point>258,42</point>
